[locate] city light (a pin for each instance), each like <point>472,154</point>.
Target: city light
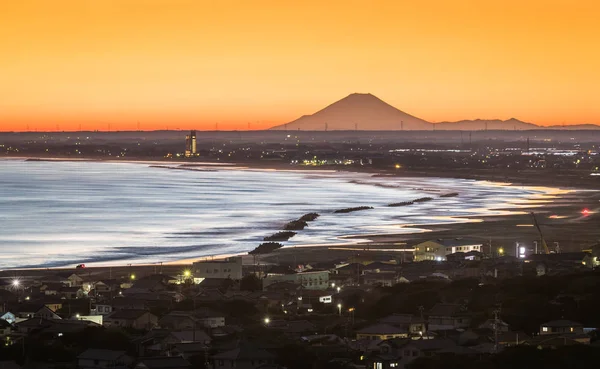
<point>339,309</point>
<point>267,320</point>
<point>187,273</point>
<point>132,277</point>
<point>585,212</point>
<point>16,283</point>
<point>339,289</point>
<point>501,251</point>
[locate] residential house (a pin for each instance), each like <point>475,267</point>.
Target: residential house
<point>120,303</point>
<point>102,359</point>
<point>102,309</point>
<point>545,341</point>
<point>512,338</point>
<point>561,327</point>
<point>189,350</point>
<point>381,331</point>
<point>398,353</point>
<point>188,320</point>
<point>74,292</point>
<point>439,249</point>
<point>227,268</point>
<point>163,362</point>
<point>191,336</point>
<point>147,284</point>
<point>132,318</point>
<point>448,316</point>
<point>5,329</point>
<point>53,326</point>
<point>245,356</point>
<point>382,278</point>
<point>178,320</point>
<point>8,317</point>
<point>51,289</point>
<point>35,310</point>
<point>312,280</point>
<point>295,328</point>
<point>415,326</point>
<point>492,324</point>
<point>46,313</point>
<point>70,279</point>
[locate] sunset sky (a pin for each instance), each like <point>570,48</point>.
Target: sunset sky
<point>70,64</point>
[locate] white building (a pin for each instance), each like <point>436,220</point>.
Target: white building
<point>317,280</point>
<point>227,268</point>
<point>440,248</point>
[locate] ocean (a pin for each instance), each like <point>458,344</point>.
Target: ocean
<point>58,213</point>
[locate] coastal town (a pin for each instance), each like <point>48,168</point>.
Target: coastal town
<point>441,302</point>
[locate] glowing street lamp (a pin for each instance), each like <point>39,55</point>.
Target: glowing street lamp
<point>267,321</point>
<point>500,251</point>
<point>132,277</point>
<point>16,283</point>
<point>339,309</point>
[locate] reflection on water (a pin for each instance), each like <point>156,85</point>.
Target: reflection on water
<point>64,213</point>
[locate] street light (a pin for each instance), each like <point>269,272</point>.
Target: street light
<point>339,289</point>
<point>16,283</point>
<point>339,309</point>
<point>132,277</point>
<point>500,251</point>
<point>267,321</point>
<point>187,273</point>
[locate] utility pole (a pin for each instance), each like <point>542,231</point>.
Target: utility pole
<point>496,322</point>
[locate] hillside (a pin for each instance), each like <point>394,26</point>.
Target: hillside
<point>486,124</point>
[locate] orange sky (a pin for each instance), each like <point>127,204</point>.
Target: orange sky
<point>184,64</point>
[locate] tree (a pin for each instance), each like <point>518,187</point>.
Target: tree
<point>250,283</point>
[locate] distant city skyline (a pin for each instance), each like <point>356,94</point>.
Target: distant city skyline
<point>237,65</point>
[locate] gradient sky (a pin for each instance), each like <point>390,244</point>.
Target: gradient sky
<point>66,64</point>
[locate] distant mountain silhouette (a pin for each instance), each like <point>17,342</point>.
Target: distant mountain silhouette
<point>357,111</point>
<point>574,127</point>
<point>486,124</point>
<point>366,112</point>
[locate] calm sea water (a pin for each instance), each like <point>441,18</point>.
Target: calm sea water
<point>65,213</point>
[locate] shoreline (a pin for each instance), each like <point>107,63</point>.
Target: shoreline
<point>565,179</point>
<point>470,226</point>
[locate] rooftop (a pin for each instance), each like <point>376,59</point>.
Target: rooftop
<point>104,355</point>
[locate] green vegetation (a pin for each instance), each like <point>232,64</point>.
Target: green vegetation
<point>350,210</point>
<point>250,283</point>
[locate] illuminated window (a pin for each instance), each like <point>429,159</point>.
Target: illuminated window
<point>544,329</point>
<point>571,329</point>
